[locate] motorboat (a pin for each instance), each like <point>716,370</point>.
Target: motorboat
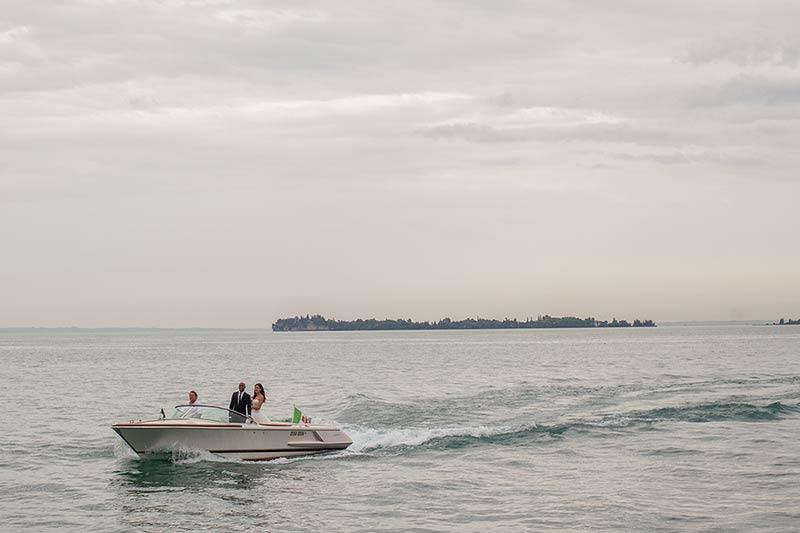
<point>229,434</point>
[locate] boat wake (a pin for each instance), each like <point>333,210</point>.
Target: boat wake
<point>176,455</point>
<point>189,456</point>
<point>719,411</point>
<point>369,439</point>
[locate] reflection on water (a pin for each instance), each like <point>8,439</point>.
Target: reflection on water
<point>182,472</point>
<point>151,494</point>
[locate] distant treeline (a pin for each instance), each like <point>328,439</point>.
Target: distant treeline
<point>320,323</point>
<point>787,322</point>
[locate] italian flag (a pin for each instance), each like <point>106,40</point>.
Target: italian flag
<point>300,417</point>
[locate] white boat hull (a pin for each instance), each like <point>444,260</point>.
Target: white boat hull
<point>250,442</point>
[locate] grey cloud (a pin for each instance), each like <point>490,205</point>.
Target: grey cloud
<point>604,133</point>
<point>746,52</point>
<point>684,158</point>
<point>473,132</point>
<point>749,89</point>
<point>675,158</point>
<point>265,42</point>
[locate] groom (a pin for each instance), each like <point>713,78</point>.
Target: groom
<point>241,403</point>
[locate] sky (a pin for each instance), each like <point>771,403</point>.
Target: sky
<point>217,163</point>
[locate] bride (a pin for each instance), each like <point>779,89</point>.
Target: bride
<point>259,398</point>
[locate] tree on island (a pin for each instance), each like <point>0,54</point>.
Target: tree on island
<point>320,323</point>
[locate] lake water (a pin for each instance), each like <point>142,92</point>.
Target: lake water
<point>657,429</point>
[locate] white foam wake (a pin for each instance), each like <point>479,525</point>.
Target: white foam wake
<point>366,439</point>
<point>123,451</point>
<point>189,456</point>
<point>177,454</point>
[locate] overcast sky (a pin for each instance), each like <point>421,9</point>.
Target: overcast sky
<point>224,163</point>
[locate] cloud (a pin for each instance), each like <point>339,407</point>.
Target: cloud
<point>14,34</point>
<point>264,19</point>
<point>745,51</point>
<point>749,89</point>
<point>498,121</point>
<point>587,132</point>
<point>481,138</point>
<point>689,157</point>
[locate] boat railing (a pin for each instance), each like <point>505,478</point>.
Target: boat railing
<point>210,412</point>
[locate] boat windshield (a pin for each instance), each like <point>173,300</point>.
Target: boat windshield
<point>208,412</point>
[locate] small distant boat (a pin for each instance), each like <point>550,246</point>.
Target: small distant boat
<point>229,434</point>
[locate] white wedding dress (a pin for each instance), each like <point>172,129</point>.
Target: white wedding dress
<point>256,414</point>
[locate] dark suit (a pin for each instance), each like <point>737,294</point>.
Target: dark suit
<point>244,406</point>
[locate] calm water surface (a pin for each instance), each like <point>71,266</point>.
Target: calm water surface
<point>665,429</point>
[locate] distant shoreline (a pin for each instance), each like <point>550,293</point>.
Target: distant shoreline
<point>320,323</point>
<point>134,329</point>
<point>785,322</point>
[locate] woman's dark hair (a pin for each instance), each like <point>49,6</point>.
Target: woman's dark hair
<point>260,386</point>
